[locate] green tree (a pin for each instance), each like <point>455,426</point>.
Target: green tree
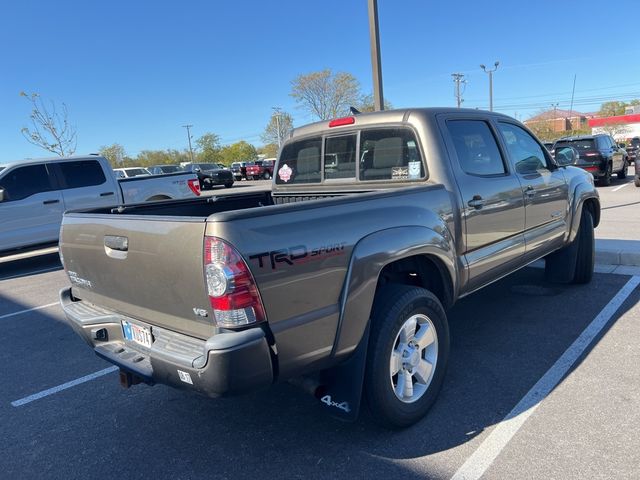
<point>208,148</point>
<point>279,128</point>
<point>50,128</point>
<point>324,94</point>
<point>146,158</point>
<point>114,153</point>
<point>611,109</point>
<point>238,152</point>
<point>270,150</point>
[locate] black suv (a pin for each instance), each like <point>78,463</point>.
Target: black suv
<point>633,149</point>
<point>210,174</point>
<point>598,154</point>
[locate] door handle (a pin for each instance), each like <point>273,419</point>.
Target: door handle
<point>530,191</point>
<point>476,202</point>
<point>106,194</point>
<point>49,202</point>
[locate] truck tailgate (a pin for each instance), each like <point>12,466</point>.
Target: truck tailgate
<point>148,268</point>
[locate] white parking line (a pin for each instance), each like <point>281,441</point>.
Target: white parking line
<point>618,188</point>
<point>2,317</point>
<point>478,463</point>
<point>64,386</point>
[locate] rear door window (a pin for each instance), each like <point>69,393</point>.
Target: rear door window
<point>81,174</point>
<point>22,182</point>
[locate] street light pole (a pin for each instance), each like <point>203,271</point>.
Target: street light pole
<point>276,112</point>
<point>189,137</point>
<point>490,72</point>
<point>374,38</point>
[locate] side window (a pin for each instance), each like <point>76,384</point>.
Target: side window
<point>300,162</point>
<point>340,157</point>
<point>81,174</point>
<point>476,147</point>
<point>22,182</point>
<point>603,143</point>
<point>390,154</point>
<point>526,154</point>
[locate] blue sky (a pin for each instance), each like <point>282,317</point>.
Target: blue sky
<point>133,72</point>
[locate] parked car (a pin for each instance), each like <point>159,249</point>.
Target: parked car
<point>35,193</point>
<point>210,174</point>
<point>338,276</point>
<point>599,154</point>
<point>632,147</point>
<point>260,169</point>
<point>164,169</point>
<point>239,170</point>
<point>129,172</point>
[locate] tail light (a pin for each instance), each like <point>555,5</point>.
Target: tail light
<point>194,186</point>
<point>233,294</point>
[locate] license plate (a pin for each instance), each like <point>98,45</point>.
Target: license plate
<point>137,333</point>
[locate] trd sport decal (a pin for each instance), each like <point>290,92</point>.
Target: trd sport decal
<point>296,255</point>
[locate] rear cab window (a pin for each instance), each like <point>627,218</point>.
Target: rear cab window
<point>369,155</point>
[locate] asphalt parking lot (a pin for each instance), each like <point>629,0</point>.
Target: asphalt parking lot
<point>64,414</point>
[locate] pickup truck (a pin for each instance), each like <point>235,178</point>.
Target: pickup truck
<point>35,193</point>
<point>338,278</point>
<point>260,169</point>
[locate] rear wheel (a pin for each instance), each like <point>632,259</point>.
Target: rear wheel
<point>228,185</point>
<point>408,353</point>
<point>622,174</point>
<point>266,176</point>
<point>605,180</point>
<point>636,182</point>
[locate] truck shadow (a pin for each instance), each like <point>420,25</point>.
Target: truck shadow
<point>503,340</point>
<point>30,265</point>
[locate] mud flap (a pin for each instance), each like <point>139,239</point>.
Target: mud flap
<point>341,387</point>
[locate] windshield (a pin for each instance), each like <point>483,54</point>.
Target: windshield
<point>580,145</point>
<point>170,168</point>
<point>208,166</point>
<point>1,168</point>
<point>134,172</point>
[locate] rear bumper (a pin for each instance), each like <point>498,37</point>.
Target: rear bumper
<point>225,364</point>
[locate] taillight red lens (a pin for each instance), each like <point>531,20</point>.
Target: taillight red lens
<point>232,291</point>
<point>194,186</point>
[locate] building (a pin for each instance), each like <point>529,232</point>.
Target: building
<point>620,127</point>
<point>560,121</point>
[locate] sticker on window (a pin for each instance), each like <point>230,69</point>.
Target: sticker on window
<point>399,173</point>
<point>285,173</point>
<point>414,170</point>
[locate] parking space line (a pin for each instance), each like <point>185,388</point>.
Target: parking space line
<point>64,386</point>
<point>2,317</point>
<point>618,188</point>
<point>478,463</point>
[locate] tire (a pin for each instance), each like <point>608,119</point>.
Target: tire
<point>586,249</point>
<point>605,180</point>
<point>400,314</point>
<point>636,181</point>
<point>622,174</point>
<point>266,176</point>
<point>228,185</point>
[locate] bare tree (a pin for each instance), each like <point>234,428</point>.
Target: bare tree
<point>278,129</point>
<point>324,94</point>
<point>50,128</point>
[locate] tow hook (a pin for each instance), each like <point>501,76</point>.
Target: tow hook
<point>127,379</point>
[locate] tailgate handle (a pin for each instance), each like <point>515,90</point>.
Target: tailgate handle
<point>116,246</point>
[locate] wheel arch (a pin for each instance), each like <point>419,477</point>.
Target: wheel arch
<point>417,256</point>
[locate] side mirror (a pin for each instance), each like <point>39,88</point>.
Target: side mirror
<point>566,156</point>
<point>197,169</point>
<point>1,194</point>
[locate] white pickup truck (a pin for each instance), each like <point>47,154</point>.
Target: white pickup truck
<point>35,193</point>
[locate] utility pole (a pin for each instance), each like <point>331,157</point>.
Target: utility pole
<point>276,112</point>
<point>490,72</point>
<point>374,38</point>
<point>189,137</point>
<point>555,115</point>
<point>458,78</point>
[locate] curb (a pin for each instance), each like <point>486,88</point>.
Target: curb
<point>618,252</point>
